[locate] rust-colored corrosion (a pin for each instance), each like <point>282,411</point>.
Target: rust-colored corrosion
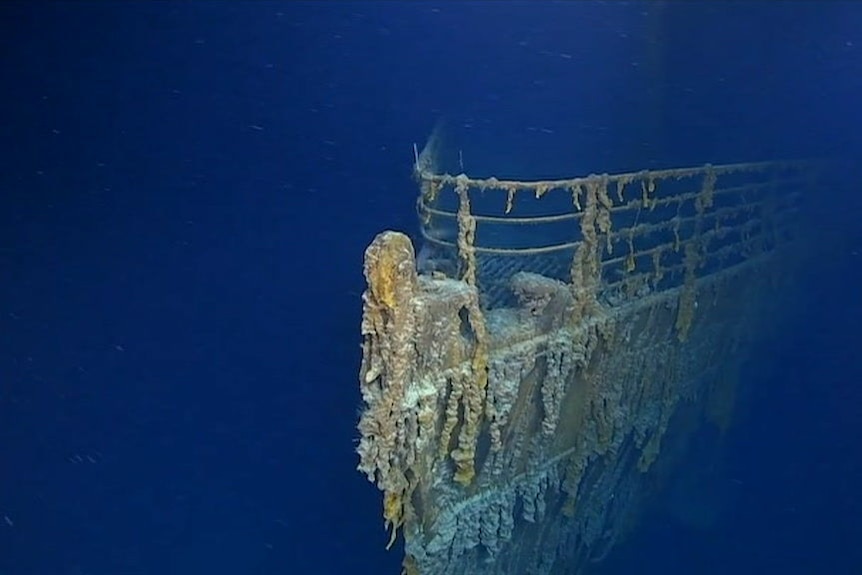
<point>517,416</point>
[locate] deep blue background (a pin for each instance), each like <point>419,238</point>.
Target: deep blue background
<point>187,190</point>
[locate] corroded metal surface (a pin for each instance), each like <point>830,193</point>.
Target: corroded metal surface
<point>517,415</point>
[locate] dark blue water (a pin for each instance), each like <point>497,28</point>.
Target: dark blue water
<point>187,190</point>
